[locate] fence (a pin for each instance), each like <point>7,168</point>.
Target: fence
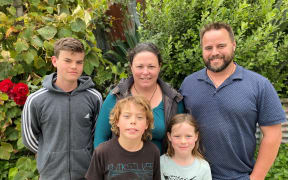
<point>284,125</point>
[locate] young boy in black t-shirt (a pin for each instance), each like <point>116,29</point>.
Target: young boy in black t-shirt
<point>130,154</point>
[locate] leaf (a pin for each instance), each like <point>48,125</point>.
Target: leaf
<point>24,163</point>
<point>7,146</point>
<point>20,144</point>
<point>21,45</point>
<point>49,10</point>
<point>4,96</point>
<point>5,150</point>
<point>48,46</point>
<point>39,63</point>
<point>35,2</point>
<point>6,2</point>
<point>36,42</point>
<point>78,25</point>
<point>12,172</point>
<point>64,32</point>
<point>47,32</point>
<point>88,67</point>
<point>28,33</point>
<point>29,56</point>
<point>93,59</point>
<point>23,175</point>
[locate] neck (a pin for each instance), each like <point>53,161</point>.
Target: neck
<point>183,160</point>
<point>130,145</point>
<point>66,86</point>
<point>219,77</point>
<point>147,92</point>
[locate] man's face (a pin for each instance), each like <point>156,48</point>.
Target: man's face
<point>69,65</point>
<point>217,49</point>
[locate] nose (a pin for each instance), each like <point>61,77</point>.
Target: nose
<point>183,140</point>
<point>133,120</point>
<point>73,65</point>
<point>145,70</point>
<point>215,51</point>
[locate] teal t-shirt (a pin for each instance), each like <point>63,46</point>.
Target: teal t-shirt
<point>103,127</point>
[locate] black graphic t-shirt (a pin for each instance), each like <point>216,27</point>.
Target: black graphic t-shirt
<point>110,161</point>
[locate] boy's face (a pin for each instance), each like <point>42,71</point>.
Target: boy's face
<point>132,122</point>
<point>69,65</point>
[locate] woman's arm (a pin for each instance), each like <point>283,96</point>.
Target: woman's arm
<point>103,127</point>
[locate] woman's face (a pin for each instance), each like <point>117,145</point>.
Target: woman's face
<point>145,69</point>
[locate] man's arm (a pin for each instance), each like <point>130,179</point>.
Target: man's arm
<point>268,150</point>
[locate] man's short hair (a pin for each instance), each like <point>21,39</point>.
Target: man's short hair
<point>68,44</point>
<point>139,101</point>
<point>216,26</point>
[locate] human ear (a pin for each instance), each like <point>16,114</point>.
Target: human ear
<point>169,136</point>
<point>54,61</point>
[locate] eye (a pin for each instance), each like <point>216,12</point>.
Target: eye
<point>139,67</point>
<point>79,62</point>
<point>221,46</point>
<point>67,60</point>
<point>208,48</point>
<point>151,67</point>
<point>126,116</point>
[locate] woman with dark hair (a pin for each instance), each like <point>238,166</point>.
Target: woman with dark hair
<point>145,63</point>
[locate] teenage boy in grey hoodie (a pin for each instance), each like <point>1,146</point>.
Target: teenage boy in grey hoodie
<point>58,120</point>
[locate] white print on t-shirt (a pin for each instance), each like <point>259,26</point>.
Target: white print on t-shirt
<point>172,177</point>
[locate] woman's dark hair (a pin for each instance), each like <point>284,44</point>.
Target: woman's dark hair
<point>141,47</point>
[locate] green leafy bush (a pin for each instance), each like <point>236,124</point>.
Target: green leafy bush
<point>260,30</point>
<point>26,46</point>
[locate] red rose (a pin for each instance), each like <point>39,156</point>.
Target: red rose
<point>20,100</point>
<point>6,85</point>
<point>20,89</point>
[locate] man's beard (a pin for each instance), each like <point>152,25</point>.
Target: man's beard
<point>226,61</point>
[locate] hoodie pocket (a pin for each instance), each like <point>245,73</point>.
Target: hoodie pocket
<point>80,160</point>
<point>56,163</point>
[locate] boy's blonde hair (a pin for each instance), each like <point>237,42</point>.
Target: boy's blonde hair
<point>180,118</point>
<point>136,100</point>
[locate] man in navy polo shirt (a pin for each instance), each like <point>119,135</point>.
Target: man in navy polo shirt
<point>228,101</point>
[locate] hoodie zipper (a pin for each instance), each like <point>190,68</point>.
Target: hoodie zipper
<point>69,134</point>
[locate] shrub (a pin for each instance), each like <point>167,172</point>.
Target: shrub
<point>260,30</point>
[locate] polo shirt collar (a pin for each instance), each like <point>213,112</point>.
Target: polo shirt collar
<point>238,74</point>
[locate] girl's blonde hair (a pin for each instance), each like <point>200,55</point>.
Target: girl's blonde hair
<point>180,118</point>
<point>141,102</point>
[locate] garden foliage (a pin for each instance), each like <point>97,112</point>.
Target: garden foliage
<point>28,30</point>
<point>260,27</point>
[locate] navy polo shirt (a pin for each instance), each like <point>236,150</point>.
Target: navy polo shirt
<point>228,115</point>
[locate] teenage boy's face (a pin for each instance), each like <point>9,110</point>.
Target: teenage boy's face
<point>132,122</point>
<point>69,65</point>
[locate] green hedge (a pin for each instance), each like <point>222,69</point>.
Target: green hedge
<point>260,29</point>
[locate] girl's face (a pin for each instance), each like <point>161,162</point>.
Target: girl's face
<point>183,139</point>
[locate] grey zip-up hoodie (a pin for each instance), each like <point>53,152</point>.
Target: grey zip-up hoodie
<point>59,127</point>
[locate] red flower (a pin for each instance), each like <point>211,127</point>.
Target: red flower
<point>20,89</point>
<point>20,100</point>
<point>6,85</point>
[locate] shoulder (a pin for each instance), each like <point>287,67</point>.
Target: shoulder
<point>203,163</point>
<point>37,96</point>
<point>253,76</point>
<point>151,148</point>
<point>169,91</point>
<point>194,76</point>
<point>105,147</point>
<point>95,94</point>
<point>164,158</point>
